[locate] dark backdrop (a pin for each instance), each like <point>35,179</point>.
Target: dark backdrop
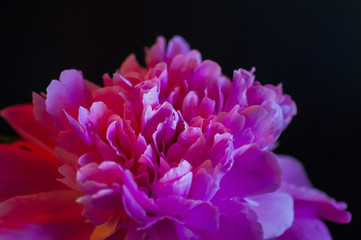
<point>312,48</point>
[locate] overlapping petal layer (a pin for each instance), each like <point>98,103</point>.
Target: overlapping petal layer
<point>173,150</point>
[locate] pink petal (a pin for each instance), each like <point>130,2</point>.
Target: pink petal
<point>43,117</point>
<point>111,97</point>
<point>275,112</point>
<point>156,53</point>
<point>130,64</point>
<point>261,125</point>
<point>177,45</point>
<point>67,94</point>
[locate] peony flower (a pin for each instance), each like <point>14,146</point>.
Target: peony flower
<point>173,150</point>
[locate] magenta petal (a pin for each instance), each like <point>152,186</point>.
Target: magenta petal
<point>205,182</point>
<point>189,136</point>
<point>205,75</point>
<point>182,68</point>
<point>220,152</point>
<point>253,172</point>
<point>133,208</point>
<point>196,152</point>
<point>258,94</point>
<point>107,199</point>
<point>274,212</point>
<point>306,229</point>
<point>293,171</point>
<point>206,107</point>
<point>174,206</point>
<point>176,182</point>
<point>288,106</point>
<point>151,118</point>
<point>93,177</point>
<point>171,150</point>
<point>190,105</point>
<point>233,227</point>
<point>121,138</point>
<point>314,203</point>
<point>79,130</point>
<point>203,216</point>
<point>234,121</point>
<point>177,45</point>
<point>142,197</point>
<point>242,80</point>
<point>175,153</point>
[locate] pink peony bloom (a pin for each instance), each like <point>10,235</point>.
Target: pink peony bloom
<point>174,150</point>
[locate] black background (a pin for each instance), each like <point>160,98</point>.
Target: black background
<point>314,49</point>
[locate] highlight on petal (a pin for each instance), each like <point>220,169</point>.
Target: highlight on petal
<point>274,212</point>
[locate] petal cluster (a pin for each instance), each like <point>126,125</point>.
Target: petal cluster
<point>172,150</point>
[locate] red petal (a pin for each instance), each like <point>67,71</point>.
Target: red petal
<point>22,119</point>
<point>52,215</point>
<point>26,171</point>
